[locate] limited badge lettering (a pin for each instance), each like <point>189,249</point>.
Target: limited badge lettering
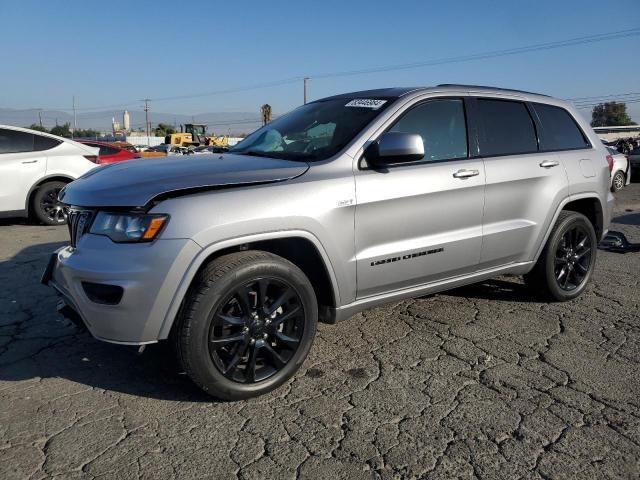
<point>407,256</point>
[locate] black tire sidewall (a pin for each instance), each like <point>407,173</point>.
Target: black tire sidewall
<point>613,181</point>
<point>38,214</point>
<point>566,223</point>
<point>202,368</point>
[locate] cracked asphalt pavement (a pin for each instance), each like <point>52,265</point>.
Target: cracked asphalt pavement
<point>484,381</point>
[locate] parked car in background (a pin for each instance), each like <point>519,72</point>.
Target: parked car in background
<point>109,153</point>
<point>340,205</point>
<point>634,161</point>
<point>620,170</point>
<point>126,146</point>
<point>34,167</point>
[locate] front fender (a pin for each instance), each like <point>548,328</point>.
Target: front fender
<point>211,249</point>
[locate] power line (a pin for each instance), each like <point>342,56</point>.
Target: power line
<point>405,66</point>
<point>492,54</point>
<point>590,105</point>
<point>598,97</point>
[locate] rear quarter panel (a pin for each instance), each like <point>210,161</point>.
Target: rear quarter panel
<point>68,160</point>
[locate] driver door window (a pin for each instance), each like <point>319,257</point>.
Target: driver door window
<point>442,126</point>
<point>431,219</point>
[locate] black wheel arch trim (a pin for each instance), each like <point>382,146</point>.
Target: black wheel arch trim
<point>213,250</point>
<point>40,182</point>
<point>561,206</point>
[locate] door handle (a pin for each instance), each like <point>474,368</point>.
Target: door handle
<point>549,164</point>
<point>466,173</point>
<point>30,161</point>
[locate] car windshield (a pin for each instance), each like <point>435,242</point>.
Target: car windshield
<point>315,131</point>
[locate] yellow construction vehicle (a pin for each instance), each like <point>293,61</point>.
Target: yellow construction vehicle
<point>194,135</point>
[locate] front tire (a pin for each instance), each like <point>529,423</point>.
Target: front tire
<point>618,181</point>
<point>247,325</point>
<point>45,205</point>
<point>567,261</point>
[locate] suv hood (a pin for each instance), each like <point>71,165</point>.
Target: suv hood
<point>135,183</point>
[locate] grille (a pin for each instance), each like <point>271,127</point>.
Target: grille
<point>78,223</point>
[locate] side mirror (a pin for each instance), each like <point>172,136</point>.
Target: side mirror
<point>395,147</point>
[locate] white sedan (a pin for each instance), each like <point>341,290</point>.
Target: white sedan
<point>621,171</point>
<point>34,167</point>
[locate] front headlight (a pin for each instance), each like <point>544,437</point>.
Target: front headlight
<point>128,227</point>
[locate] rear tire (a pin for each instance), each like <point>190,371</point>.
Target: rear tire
<point>247,325</point>
<point>566,263</point>
<point>45,206</point>
<point>618,181</point>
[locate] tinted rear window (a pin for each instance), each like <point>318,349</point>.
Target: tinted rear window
<point>41,143</point>
<point>506,128</point>
<point>104,150</point>
<point>12,141</point>
<point>559,129</point>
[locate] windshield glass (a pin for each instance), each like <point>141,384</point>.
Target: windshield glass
<point>314,131</point>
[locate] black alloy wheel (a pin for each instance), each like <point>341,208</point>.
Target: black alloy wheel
<point>573,258</point>
<point>46,207</point>
<point>247,324</point>
<point>256,330</point>
<point>567,260</point>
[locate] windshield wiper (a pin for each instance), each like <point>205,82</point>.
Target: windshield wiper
<point>257,153</point>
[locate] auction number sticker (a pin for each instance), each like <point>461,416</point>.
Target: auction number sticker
<point>366,103</point>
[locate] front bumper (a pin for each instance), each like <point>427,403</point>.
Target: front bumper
<point>148,273</point>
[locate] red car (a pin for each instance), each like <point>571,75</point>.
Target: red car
<point>110,153</point>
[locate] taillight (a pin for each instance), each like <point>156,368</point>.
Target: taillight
<point>610,162</point>
<point>92,158</point>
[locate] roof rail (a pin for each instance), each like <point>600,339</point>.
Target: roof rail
<point>498,89</point>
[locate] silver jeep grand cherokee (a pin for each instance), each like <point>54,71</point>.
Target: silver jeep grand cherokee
<point>344,203</point>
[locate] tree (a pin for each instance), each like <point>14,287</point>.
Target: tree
<point>163,129</point>
<point>610,114</point>
<point>265,110</point>
<point>36,126</point>
<point>61,130</point>
<point>88,133</point>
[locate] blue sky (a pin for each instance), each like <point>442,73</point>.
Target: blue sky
<point>121,51</point>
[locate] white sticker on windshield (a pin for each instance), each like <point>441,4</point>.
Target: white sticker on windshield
<point>366,103</point>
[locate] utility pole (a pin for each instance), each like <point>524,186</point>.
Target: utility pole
<point>146,116</point>
<point>305,89</point>
<point>40,117</point>
<point>75,121</point>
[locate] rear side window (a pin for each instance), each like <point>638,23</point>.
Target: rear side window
<point>506,128</point>
<point>41,143</point>
<point>442,126</point>
<point>559,129</point>
<point>104,150</point>
<point>12,141</point>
